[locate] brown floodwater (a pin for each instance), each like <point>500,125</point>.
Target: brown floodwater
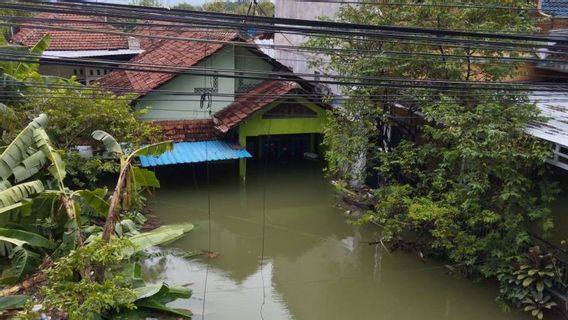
<point>316,265</point>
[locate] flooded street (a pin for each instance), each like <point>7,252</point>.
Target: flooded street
<point>316,265</point>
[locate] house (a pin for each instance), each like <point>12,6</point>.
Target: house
<point>552,68</point>
<point>215,97</point>
<point>74,36</point>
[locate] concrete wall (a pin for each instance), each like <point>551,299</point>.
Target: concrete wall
<point>297,61</point>
<point>164,106</point>
<point>83,75</point>
<point>298,10</point>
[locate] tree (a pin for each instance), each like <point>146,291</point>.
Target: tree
<point>185,6</point>
<point>471,181</point>
<point>147,3</point>
<point>264,7</point>
<point>214,6</point>
<point>75,111</point>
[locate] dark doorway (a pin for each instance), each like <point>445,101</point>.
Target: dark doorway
<point>281,147</point>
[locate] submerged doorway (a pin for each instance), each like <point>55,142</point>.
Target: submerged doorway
<point>283,147</point>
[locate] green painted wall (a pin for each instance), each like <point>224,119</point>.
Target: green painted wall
<point>257,126</point>
<point>163,106</point>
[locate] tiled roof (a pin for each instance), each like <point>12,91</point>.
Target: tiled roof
<point>251,101</point>
<point>175,53</point>
<point>188,130</point>
<point>71,40</point>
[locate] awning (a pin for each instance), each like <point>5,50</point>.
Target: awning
<point>193,152</point>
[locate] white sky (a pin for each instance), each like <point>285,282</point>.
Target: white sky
<point>169,2</point>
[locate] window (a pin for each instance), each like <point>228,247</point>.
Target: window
<point>91,72</point>
<point>98,72</point>
<point>289,109</point>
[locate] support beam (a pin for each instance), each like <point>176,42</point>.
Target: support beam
<point>242,162</point>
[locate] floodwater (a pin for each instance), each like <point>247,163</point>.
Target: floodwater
<point>315,266</point>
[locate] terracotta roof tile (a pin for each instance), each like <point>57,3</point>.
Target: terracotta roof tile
<point>188,130</point>
<point>71,40</point>
<point>175,53</point>
<point>250,102</point>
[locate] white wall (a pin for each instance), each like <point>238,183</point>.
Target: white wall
<point>299,10</point>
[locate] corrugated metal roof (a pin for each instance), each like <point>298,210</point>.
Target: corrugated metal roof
<point>88,53</point>
<point>556,128</point>
<point>555,8</point>
<point>193,152</point>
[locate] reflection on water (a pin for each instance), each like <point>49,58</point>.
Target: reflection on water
<point>316,265</point>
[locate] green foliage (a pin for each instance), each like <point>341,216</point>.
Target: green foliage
<point>14,195</point>
<point>13,302</point>
<point>87,173</point>
<point>527,286</point>
<point>466,179</point>
<point>22,262</point>
<point>21,238</point>
<point>21,147</point>
<point>147,3</point>
<point>264,7</point>
<point>87,298</point>
<point>110,143</point>
<point>155,297</point>
<point>75,111</point>
<point>159,236</point>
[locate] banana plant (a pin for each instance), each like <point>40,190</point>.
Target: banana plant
<point>14,74</point>
<point>131,178</point>
<point>19,161</point>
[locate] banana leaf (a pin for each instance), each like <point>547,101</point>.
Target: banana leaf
<point>57,167</point>
<point>13,302</point>
<point>21,237</point>
<point>155,298</point>
<point>25,68</point>
<point>4,185</point>
<point>19,192</point>
<point>154,149</point>
<point>18,149</point>
<point>144,178</point>
<point>162,235</point>
<point>108,141</point>
<point>94,200</point>
<point>30,166</point>
<point>23,261</point>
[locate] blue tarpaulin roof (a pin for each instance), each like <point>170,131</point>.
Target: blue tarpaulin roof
<point>193,152</point>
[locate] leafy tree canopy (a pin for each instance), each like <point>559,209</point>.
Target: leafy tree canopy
<point>465,178</point>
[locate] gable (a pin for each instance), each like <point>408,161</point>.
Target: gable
<point>289,109</point>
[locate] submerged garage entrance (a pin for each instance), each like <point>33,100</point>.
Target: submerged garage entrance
<point>283,147</point>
